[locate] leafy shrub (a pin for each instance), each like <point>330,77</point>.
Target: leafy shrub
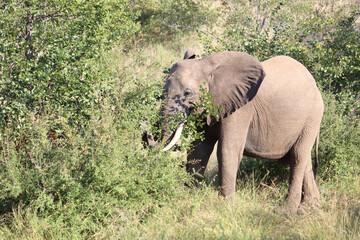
<point>70,146</point>
<point>100,177</point>
<point>339,151</point>
<point>336,58</point>
<point>47,53</point>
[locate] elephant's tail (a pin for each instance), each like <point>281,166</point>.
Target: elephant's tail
<point>316,155</point>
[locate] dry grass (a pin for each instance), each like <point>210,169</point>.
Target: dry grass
<point>252,216</point>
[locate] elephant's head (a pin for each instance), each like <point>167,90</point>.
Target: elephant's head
<point>233,79</point>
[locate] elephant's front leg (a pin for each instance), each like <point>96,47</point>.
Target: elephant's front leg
<point>230,152</point>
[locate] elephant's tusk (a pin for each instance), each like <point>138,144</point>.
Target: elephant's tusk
<point>175,138</point>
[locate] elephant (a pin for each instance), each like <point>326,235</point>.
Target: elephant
<point>270,110</point>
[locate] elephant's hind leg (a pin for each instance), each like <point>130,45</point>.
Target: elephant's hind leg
<point>301,172</point>
<point>310,195</point>
<point>293,198</point>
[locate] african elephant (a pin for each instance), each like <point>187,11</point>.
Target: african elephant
<point>270,109</point>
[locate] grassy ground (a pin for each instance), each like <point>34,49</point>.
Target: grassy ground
<point>253,216</point>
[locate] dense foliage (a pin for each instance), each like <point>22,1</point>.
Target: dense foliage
<point>48,49</point>
<point>78,80</point>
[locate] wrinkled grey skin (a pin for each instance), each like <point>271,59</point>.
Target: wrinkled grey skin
<point>271,110</point>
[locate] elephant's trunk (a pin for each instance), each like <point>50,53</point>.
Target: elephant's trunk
<point>174,111</point>
<point>176,137</point>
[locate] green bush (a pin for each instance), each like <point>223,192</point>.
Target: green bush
<point>80,184</point>
<point>47,53</point>
<point>70,139</point>
<point>339,151</point>
<point>100,177</point>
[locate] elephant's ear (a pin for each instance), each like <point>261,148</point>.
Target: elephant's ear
<point>234,81</point>
<point>189,54</point>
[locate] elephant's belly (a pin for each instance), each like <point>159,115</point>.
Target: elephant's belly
<point>262,154</point>
<point>270,145</point>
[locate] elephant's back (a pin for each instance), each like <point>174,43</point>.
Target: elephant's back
<point>284,70</point>
<point>288,79</point>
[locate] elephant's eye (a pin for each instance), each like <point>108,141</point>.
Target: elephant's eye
<point>188,93</point>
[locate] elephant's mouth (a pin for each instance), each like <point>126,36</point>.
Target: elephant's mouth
<point>175,136</point>
<point>182,114</point>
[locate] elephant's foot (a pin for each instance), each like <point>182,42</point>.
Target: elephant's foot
<point>293,207</point>
<point>308,204</point>
<point>289,208</point>
<point>283,211</point>
<point>312,200</point>
<point>230,197</point>
<point>305,208</point>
